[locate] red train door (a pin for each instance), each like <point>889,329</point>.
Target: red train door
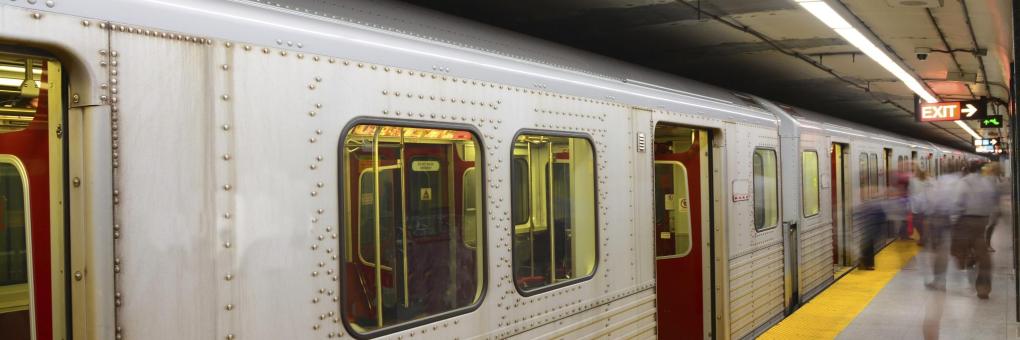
<point>679,178</point>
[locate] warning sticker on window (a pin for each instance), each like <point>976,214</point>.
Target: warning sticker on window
<point>425,166</point>
<point>426,194</point>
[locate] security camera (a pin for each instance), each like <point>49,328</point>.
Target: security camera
<point>922,53</point>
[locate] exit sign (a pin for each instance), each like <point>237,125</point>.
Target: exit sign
<point>939,112</point>
<point>950,111</point>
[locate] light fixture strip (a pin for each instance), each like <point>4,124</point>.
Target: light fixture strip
<point>967,128</point>
<point>841,26</point>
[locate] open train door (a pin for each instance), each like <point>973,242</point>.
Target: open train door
<point>682,231</point>
<point>840,184</point>
<point>32,262</point>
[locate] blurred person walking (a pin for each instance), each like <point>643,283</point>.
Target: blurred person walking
<point>977,203</point>
<point>942,207</point>
<point>994,174</point>
<point>870,216</point>
<point>918,190</point>
<point>896,205</point>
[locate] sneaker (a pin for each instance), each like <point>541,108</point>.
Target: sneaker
<point>983,296</point>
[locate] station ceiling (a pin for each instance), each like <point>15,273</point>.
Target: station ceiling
<point>777,50</point>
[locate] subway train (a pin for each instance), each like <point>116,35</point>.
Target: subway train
<point>301,169</point>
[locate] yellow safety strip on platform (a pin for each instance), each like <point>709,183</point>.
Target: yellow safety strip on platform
<point>825,316</point>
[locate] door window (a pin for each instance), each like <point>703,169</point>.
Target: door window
<point>862,171</point>
<point>672,210</point>
<point>14,249</point>
<point>873,175</point>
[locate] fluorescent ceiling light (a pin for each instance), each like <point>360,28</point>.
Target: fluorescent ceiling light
<point>823,12</point>
<point>967,128</point>
<point>831,18</point>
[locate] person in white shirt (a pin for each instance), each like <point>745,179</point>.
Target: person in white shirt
<point>918,190</point>
<point>940,204</point>
<point>977,203</point>
<point>994,174</point>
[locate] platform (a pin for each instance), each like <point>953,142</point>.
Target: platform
<point>892,303</point>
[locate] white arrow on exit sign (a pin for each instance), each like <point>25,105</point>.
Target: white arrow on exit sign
<point>970,110</point>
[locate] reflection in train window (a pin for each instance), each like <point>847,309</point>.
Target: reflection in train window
<point>14,260</point>
<point>766,189</point>
<point>557,242</point>
<point>23,91</point>
<point>472,205</point>
<point>810,182</point>
<point>520,193</point>
<point>672,210</point>
<point>414,228</point>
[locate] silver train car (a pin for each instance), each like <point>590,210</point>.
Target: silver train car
<point>303,169</point>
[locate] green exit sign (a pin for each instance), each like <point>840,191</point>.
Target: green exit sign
<point>991,122</point>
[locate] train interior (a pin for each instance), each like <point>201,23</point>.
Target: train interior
<point>553,210</point>
<point>413,195</point>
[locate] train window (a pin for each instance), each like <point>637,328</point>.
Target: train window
<point>766,189</point>
<point>557,243</point>
<point>862,171</point>
<point>672,210</point>
<point>14,257</point>
<point>810,183</point>
<point>414,234</point>
<point>873,174</point>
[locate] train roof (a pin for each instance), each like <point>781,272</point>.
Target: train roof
<point>849,128</point>
<point>406,36</point>
<point>366,29</point>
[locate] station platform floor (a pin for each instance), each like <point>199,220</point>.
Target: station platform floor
<point>892,303</point>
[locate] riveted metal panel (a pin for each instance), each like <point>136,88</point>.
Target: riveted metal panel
<point>815,253</point>
<point>755,263</point>
<point>164,187</point>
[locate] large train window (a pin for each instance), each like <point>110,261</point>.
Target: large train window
<point>414,226</point>
<point>14,251</point>
<point>810,182</point>
<point>766,189</point>
<point>553,179</point>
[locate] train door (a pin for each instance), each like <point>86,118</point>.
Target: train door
<point>681,229</point>
<point>31,213</point>
<point>839,182</point>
